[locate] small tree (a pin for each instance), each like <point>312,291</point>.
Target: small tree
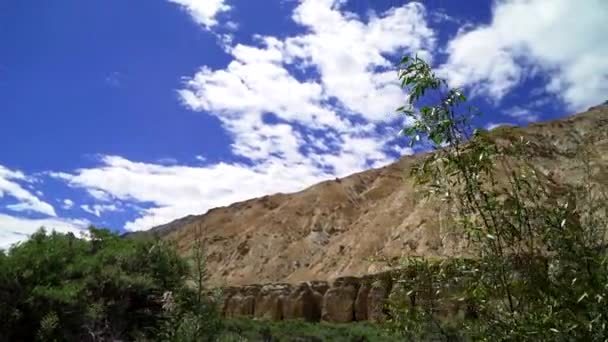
<point>194,316</point>
<point>541,267</point>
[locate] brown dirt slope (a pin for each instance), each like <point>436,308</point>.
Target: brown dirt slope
<point>333,228</point>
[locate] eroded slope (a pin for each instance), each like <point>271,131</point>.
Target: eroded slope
<point>333,228</point>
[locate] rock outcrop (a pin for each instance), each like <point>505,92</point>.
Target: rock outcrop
<point>362,301</point>
<point>339,300</point>
<point>301,303</point>
<point>311,301</point>
<point>241,301</point>
<point>270,301</point>
<point>347,299</point>
<point>319,288</point>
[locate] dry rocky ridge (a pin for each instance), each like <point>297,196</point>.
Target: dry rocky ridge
<point>333,229</point>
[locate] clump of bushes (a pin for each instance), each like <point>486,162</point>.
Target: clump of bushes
<point>58,287</point>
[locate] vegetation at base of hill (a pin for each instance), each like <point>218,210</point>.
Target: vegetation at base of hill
<point>245,329</point>
<point>57,287</point>
<point>542,265</point>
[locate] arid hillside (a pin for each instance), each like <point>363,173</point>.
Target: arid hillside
<point>335,228</point>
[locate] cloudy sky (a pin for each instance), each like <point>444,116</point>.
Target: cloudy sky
<point>129,114</point>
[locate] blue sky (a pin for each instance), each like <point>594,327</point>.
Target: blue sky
<point>129,114</point>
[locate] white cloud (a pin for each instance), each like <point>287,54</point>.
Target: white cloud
<point>353,71</point>
<point>231,25</point>
<point>562,37</point>
<point>204,12</point>
<point>477,58</point>
<point>9,185</point>
<point>99,195</point>
<point>67,203</point>
<point>98,209</point>
<point>15,229</point>
<point>347,52</point>
<point>256,82</point>
<point>439,16</point>
<point>180,190</point>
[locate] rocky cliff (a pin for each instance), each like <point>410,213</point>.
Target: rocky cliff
<point>335,228</point>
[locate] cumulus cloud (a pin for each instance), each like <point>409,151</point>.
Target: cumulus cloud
<point>15,229</point>
<point>67,203</point>
<point>204,12</point>
<point>10,186</point>
<point>98,209</point>
<point>563,38</point>
<point>356,82</point>
<point>350,55</point>
<point>177,191</point>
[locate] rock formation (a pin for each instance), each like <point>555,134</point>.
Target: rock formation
<point>300,303</point>
<point>311,301</point>
<point>241,301</point>
<point>269,302</point>
<point>339,300</point>
<point>376,299</point>
<point>348,299</point>
<point>362,300</point>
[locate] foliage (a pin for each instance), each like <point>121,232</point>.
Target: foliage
<point>244,329</point>
<point>195,315</point>
<point>542,271</point>
<point>428,299</point>
<point>188,319</point>
<point>105,287</point>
